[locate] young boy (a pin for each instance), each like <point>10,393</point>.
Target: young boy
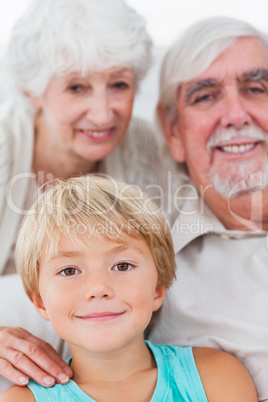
<point>96,257</point>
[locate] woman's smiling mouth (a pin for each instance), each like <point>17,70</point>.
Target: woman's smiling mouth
<point>97,135</point>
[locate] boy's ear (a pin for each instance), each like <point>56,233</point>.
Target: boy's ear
<point>159,297</point>
<point>40,307</point>
<point>172,134</point>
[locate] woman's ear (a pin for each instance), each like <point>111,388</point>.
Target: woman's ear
<point>35,100</point>
<point>159,297</point>
<point>172,134</point>
<point>40,307</point>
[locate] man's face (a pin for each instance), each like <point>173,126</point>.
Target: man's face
<point>223,119</point>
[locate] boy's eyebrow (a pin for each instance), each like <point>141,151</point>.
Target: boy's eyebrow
<point>74,253</point>
<point>66,253</point>
<point>124,247</point>
<point>198,86</point>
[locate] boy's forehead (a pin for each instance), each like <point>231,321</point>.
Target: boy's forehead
<point>71,246</point>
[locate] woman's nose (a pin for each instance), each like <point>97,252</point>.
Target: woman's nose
<point>99,109</point>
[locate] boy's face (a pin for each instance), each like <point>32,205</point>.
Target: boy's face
<point>99,295</point>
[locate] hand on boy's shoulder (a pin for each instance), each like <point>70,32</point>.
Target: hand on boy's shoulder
<point>224,377</point>
<point>16,393</point>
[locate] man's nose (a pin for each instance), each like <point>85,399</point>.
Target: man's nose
<point>99,109</point>
<point>234,112</point>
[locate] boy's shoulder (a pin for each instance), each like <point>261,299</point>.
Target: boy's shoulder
<point>16,393</point>
<point>217,368</point>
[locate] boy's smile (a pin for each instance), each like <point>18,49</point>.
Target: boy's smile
<point>102,316</point>
<point>98,294</point>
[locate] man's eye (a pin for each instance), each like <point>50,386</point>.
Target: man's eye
<point>122,266</point>
<point>69,271</point>
<point>256,90</point>
<point>203,98</point>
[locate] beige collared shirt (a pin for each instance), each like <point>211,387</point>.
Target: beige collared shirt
<point>220,297</point>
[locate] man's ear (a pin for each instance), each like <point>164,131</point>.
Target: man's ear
<point>172,135</point>
<point>40,307</point>
<point>159,297</point>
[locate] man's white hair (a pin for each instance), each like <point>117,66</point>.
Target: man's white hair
<point>196,50</point>
<point>61,36</point>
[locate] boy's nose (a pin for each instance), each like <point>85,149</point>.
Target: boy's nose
<point>98,286</point>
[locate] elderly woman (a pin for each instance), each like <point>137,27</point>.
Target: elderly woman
<point>70,73</point>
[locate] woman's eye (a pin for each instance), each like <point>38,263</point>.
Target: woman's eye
<point>120,85</point>
<point>122,266</point>
<point>76,88</point>
<point>69,271</point>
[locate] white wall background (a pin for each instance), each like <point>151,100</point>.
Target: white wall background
<point>166,20</point>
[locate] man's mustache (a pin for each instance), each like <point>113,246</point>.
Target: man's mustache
<point>222,135</point>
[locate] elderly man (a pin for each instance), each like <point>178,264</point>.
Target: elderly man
<point>213,108</point>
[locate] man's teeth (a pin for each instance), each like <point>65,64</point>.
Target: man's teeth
<point>237,149</point>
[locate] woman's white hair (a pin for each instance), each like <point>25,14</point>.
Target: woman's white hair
<point>62,36</point>
<point>195,51</point>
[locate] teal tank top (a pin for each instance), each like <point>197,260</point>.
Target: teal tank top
<point>177,380</point>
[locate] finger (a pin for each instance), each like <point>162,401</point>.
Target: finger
<point>30,351</point>
<point>16,362</point>
<point>12,337</point>
<point>13,375</point>
<point>44,358</point>
<point>48,360</point>
<point>34,362</point>
<point>50,352</point>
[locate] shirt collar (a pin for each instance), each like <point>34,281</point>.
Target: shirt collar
<point>195,219</point>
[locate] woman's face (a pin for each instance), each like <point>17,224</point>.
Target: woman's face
<point>86,116</point>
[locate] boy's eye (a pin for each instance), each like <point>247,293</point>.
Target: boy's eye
<point>69,271</point>
<point>122,266</point>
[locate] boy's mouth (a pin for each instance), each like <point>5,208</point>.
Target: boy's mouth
<point>102,316</point>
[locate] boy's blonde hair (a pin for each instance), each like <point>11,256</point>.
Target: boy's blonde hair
<point>91,205</point>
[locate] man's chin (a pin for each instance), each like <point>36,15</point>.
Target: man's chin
<point>240,178</point>
<point>237,185</point>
